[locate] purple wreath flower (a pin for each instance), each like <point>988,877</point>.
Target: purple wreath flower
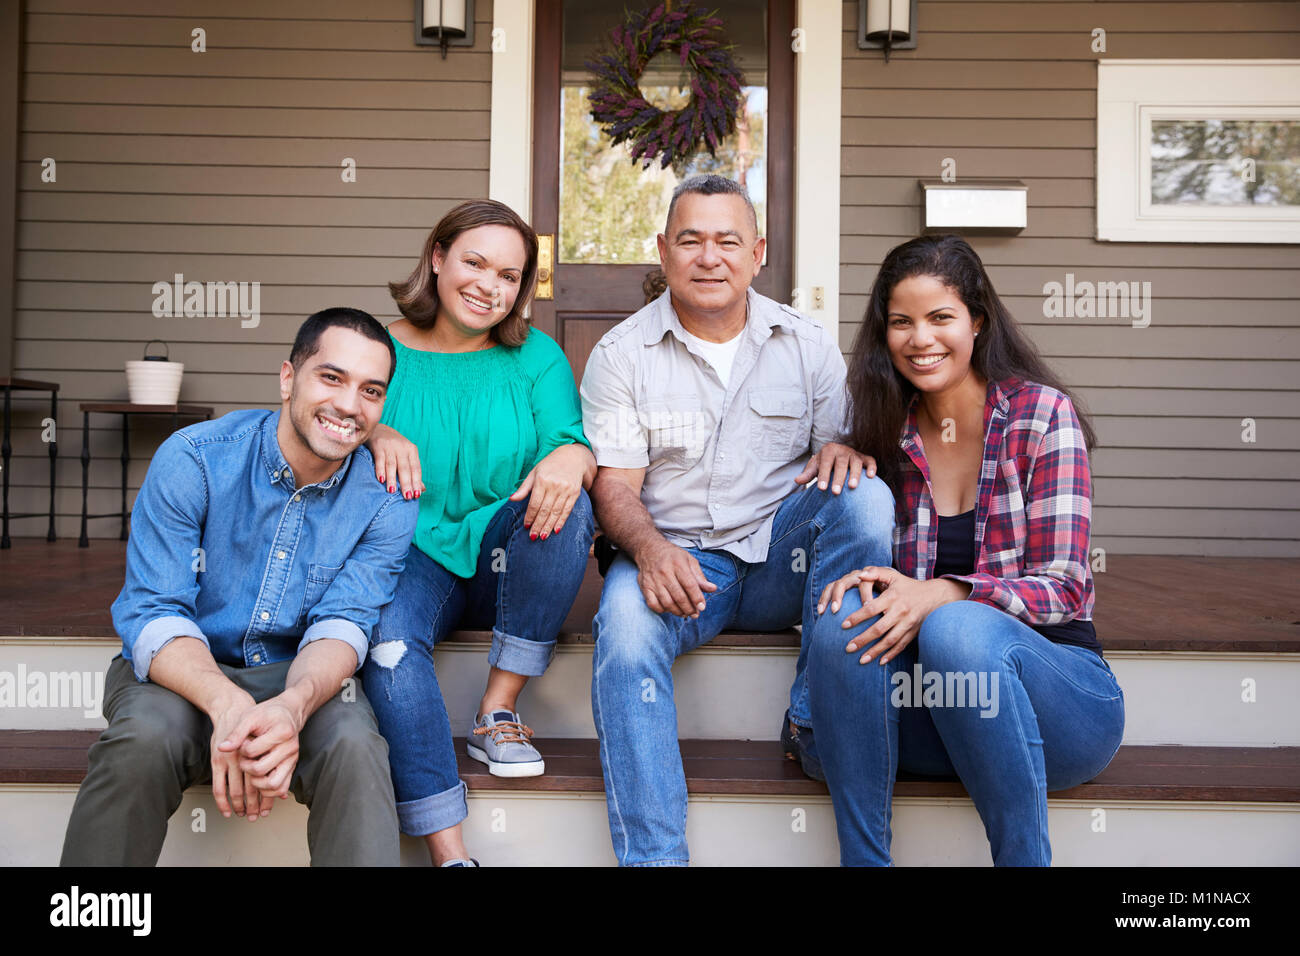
<point>618,105</point>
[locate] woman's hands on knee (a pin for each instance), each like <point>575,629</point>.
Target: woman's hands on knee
<point>552,488</point>
<point>903,604</point>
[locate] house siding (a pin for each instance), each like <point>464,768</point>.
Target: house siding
<point>222,166</point>
<point>1009,90</point>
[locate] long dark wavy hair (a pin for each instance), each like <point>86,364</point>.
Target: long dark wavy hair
<point>879,394</point>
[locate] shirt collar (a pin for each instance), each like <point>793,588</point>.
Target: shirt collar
<point>995,398</point>
<point>277,468</point>
<point>764,314</point>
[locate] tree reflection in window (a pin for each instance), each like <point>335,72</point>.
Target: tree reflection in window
<point>1216,162</point>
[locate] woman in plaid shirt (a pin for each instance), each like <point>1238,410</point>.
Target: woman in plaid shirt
<point>983,658</point>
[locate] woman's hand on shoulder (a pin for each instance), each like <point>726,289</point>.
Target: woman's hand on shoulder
<point>903,604</point>
<point>552,488</point>
<point>397,461</point>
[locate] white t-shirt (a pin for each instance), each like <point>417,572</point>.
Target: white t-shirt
<point>718,354</point>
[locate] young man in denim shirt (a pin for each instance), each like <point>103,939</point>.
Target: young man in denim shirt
<point>261,551</point>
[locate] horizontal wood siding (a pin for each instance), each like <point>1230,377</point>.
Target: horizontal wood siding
<point>1009,90</point>
<point>222,166</point>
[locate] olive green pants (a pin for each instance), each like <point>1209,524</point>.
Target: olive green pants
<point>157,744</point>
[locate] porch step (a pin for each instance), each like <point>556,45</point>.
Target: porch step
<point>738,687</point>
<point>749,806</point>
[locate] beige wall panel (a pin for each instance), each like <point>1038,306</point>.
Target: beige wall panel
<point>205,121</point>
<point>233,150</point>
<point>1077,44</point>
<point>398,64</point>
<point>238,210</point>
<point>222,91</point>
<point>137,297</point>
<point>250,240</point>
<point>1051,105</point>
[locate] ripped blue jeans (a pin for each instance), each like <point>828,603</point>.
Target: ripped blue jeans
<point>522,589</point>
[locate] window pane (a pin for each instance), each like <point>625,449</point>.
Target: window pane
<point>1211,162</point>
<point>611,209</point>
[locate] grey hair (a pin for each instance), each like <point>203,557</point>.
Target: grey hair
<point>711,185</point>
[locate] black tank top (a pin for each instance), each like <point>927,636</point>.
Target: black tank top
<point>955,554</point>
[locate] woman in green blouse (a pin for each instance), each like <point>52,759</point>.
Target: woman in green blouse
<point>483,425</point>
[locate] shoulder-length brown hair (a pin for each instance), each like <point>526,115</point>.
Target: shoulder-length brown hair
<point>417,296</point>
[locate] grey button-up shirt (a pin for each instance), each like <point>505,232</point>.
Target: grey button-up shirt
<point>719,461</point>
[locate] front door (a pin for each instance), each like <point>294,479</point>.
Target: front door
<point>603,210</point>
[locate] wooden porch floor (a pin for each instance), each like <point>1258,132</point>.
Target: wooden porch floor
<point>1144,602</point>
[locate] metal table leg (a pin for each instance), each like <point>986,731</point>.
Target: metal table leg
<point>84,541</point>
<point>126,457</point>
<point>54,455</point>
<point>5,449</point>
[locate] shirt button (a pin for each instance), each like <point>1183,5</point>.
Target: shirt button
<point>285,473</point>
<point>280,555</point>
<point>266,616</point>
<point>297,497</point>
<point>257,658</point>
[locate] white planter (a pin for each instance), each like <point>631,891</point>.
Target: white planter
<point>153,382</point>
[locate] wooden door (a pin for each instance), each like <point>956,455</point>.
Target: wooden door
<point>591,292</point>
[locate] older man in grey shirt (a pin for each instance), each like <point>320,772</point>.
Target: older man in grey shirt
<point>710,412</point>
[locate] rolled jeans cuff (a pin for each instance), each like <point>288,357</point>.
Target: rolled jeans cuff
<point>431,814</point>
<point>520,656</point>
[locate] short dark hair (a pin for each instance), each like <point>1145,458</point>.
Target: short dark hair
<point>711,185</point>
<point>307,342</point>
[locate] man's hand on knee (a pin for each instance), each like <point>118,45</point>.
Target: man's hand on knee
<point>671,580</point>
<point>833,463</point>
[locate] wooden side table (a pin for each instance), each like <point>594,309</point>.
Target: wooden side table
<point>28,385</point>
<point>126,410</point>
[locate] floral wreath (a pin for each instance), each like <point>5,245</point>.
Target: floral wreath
<point>618,104</point>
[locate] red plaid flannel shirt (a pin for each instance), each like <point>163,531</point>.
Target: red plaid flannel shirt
<point>1032,512</point>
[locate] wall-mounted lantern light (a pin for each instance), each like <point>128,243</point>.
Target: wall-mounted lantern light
<point>887,25</point>
<point>974,205</point>
<point>444,23</point>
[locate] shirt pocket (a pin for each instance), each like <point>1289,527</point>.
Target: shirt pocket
<point>319,579</point>
<point>779,424</point>
<point>676,429</point>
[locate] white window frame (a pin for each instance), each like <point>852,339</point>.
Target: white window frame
<point>1131,93</point>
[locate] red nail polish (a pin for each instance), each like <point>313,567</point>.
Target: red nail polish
<point>544,534</point>
<point>406,495</point>
<point>533,536</point>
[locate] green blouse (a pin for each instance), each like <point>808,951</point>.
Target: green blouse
<point>481,421</point>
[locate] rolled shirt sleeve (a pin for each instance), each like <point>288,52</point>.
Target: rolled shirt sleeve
<point>157,601</point>
<point>614,431</point>
<point>349,609</point>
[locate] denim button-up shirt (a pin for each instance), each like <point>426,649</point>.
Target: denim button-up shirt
<point>225,549</point>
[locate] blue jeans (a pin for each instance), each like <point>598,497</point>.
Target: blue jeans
<point>522,589</point>
<point>1029,717</point>
<point>816,535</point>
